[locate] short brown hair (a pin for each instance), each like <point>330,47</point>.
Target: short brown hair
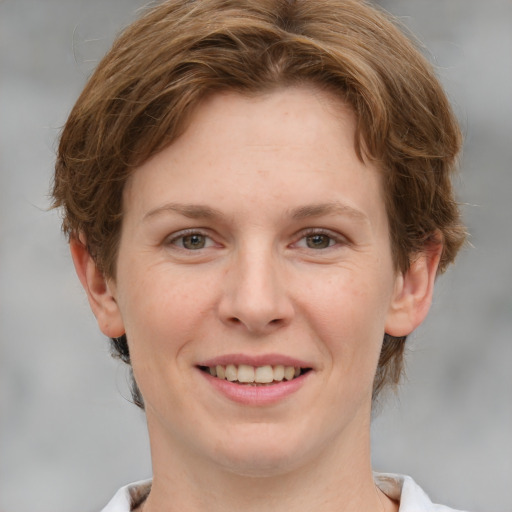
<point>143,91</point>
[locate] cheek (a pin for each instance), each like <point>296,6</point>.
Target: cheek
<point>347,313</point>
<point>163,310</point>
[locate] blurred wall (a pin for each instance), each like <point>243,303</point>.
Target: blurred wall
<point>69,436</point>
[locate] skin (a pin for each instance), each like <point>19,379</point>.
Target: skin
<point>259,232</point>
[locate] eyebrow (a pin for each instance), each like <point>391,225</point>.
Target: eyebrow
<point>331,208</point>
<point>192,211</point>
<point>198,211</point>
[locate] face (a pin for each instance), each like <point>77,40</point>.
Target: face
<point>255,282</point>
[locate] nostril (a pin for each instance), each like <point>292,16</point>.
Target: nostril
<point>236,321</point>
<point>256,324</point>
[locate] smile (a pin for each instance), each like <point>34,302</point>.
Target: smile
<point>254,375</point>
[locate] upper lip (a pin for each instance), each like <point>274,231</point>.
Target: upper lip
<point>256,360</point>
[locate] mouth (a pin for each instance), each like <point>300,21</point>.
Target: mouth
<point>255,375</point>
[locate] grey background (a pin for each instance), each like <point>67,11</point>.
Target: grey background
<point>68,434</point>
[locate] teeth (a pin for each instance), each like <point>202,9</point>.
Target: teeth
<point>279,372</point>
<point>221,371</point>
<point>263,374</point>
<point>247,374</point>
<point>289,372</point>
<point>231,372</point>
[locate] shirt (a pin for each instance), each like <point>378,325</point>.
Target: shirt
<point>401,488</point>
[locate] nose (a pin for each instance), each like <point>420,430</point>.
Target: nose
<point>255,293</point>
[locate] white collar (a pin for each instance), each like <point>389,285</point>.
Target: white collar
<point>405,490</point>
<point>401,488</point>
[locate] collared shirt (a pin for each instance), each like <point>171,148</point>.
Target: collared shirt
<point>398,487</point>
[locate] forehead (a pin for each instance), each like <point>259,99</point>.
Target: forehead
<point>281,118</point>
<point>281,146</point>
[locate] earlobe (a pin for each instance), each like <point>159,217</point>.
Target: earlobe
<point>413,292</point>
<point>100,291</point>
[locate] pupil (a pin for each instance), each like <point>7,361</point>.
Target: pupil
<point>193,242</point>
<point>318,241</point>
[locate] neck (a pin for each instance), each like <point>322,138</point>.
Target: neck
<point>340,479</point>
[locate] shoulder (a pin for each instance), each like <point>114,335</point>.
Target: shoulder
<point>411,496</point>
<point>128,497</point>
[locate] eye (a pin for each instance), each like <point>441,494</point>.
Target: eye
<point>319,239</point>
<point>191,241</point>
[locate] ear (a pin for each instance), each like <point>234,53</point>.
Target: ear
<point>413,291</point>
<point>100,291</point>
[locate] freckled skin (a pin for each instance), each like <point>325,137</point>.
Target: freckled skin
<point>256,179</point>
<point>259,159</point>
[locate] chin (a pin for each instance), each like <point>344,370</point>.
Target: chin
<point>262,451</point>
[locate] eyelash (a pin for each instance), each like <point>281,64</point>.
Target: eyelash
<point>333,239</point>
<point>182,235</point>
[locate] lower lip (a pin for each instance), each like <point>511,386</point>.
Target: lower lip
<point>256,395</point>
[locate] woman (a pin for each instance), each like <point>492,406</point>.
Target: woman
<point>258,200</point>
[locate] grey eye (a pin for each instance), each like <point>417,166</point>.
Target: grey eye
<point>318,241</point>
<point>195,241</point>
